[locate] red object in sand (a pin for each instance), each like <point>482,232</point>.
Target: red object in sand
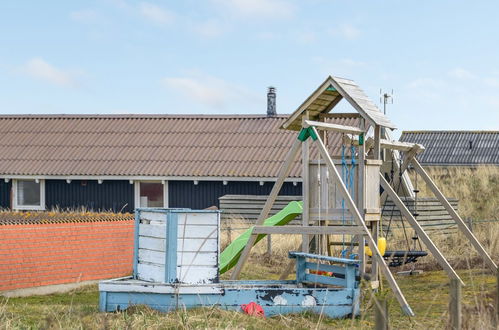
<point>253,309</point>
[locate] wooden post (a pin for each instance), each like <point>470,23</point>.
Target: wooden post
<point>229,231</point>
<point>305,186</point>
<point>381,314</point>
<point>497,296</point>
<point>470,224</point>
<point>269,245</point>
<point>455,305</point>
<point>361,169</point>
<point>283,173</point>
<point>375,224</point>
<point>460,223</point>
<point>334,175</point>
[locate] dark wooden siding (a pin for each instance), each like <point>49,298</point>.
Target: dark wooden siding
<point>5,194</point>
<point>118,195</point>
<point>115,195</point>
<point>206,193</point>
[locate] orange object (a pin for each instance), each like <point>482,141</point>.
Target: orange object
<point>321,272</point>
<point>253,309</point>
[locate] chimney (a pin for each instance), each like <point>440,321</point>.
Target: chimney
<point>271,109</point>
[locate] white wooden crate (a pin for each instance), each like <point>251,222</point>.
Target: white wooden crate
<point>197,246</point>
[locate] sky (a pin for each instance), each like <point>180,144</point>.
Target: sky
<point>441,58</point>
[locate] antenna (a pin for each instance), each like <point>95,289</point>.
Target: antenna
<point>385,98</point>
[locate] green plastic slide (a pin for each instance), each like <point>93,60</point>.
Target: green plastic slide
<point>231,254</point>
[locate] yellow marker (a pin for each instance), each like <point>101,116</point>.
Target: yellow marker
<point>381,247</point>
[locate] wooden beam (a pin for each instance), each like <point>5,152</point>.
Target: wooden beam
<point>460,223</point>
<point>360,222</point>
<point>334,127</point>
<point>339,115</point>
<point>305,186</point>
<point>401,146</point>
<point>283,173</point>
<point>405,163</point>
<point>360,194</point>
<point>310,230</point>
<point>419,230</point>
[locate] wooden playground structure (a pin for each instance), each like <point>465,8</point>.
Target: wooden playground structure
<point>177,261</point>
<point>360,191</point>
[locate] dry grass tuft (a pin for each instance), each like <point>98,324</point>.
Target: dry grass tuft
<point>476,188</point>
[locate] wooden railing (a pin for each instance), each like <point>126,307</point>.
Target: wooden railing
<point>329,274</point>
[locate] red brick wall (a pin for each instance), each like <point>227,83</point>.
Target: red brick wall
<point>46,254</point>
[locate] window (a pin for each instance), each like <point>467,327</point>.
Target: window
<point>151,194</point>
<point>29,194</point>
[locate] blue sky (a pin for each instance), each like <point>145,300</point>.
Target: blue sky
<point>218,56</point>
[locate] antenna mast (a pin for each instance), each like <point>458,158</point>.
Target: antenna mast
<point>385,98</point>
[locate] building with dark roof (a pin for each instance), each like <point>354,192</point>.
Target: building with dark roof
<point>118,162</point>
<point>456,148</point>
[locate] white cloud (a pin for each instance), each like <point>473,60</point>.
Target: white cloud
<point>210,91</point>
<point>346,31</point>
<point>87,16</point>
<point>427,83</point>
<point>267,35</point>
<point>350,62</point>
<point>156,14</point>
<point>210,29</point>
<point>305,37</point>
<point>40,69</point>
<point>346,67</point>
<point>259,8</point>
<point>492,82</point>
<point>461,73</point>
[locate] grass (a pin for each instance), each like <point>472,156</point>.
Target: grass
<point>427,294</point>
<point>477,191</point>
<point>476,188</point>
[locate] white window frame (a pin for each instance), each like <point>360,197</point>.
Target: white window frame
<point>137,192</point>
<point>40,207</point>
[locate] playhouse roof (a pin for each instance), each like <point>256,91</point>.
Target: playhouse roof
<point>328,95</point>
<point>244,146</point>
<point>456,147</point>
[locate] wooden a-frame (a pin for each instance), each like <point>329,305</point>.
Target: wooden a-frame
<point>410,159</point>
<point>350,205</point>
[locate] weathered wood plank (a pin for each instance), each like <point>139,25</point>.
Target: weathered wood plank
<point>151,272</point>
<point>151,243</point>
<point>199,231</point>
<point>309,230</point>
<point>197,274</point>
<point>334,127</point>
<point>197,259</point>
<point>151,256</point>
<point>158,231</point>
<point>197,245</point>
<point>204,218</point>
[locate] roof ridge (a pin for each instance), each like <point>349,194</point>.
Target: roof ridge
<point>451,131</point>
<point>138,116</point>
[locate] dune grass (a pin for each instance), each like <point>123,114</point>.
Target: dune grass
<point>476,188</point>
<point>427,294</point>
